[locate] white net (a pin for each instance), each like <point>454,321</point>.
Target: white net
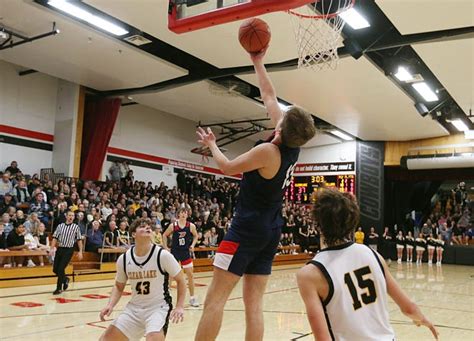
<point>318,33</point>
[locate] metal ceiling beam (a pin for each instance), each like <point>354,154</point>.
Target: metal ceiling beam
<point>26,39</point>
<point>409,39</point>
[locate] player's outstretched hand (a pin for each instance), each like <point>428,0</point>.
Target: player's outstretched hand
<point>425,322</point>
<point>206,137</point>
<point>177,315</point>
<point>105,312</point>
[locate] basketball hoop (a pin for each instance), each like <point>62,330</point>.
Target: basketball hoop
<point>319,35</point>
<point>204,152</point>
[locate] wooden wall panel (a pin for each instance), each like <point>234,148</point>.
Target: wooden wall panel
<point>394,150</point>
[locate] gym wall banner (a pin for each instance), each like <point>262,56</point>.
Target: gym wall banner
<point>370,184</point>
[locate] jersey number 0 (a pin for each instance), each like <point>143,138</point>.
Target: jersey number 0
<point>364,283</point>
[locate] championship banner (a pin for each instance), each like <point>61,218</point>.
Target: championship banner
<point>370,184</point>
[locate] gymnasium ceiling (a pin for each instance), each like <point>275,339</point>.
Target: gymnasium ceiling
<point>357,98</point>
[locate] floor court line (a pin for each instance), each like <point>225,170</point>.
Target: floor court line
<point>109,286</point>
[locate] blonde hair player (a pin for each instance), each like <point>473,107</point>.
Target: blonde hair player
<point>345,286</point>
<point>147,267</point>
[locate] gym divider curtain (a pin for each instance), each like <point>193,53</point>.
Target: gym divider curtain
<point>99,122</point>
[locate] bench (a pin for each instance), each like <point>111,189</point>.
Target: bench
<point>23,253</point>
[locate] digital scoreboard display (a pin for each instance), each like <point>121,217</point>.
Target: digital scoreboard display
<point>302,187</point>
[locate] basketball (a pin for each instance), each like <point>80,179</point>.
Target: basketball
<point>254,35</point>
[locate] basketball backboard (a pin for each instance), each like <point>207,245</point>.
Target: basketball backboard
<point>190,15</point>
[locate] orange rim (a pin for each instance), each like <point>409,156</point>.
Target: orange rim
<point>322,16</point>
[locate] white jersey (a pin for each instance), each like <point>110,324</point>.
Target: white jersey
<point>148,276</point>
<point>356,306</point>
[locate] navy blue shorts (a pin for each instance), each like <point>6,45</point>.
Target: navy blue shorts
<point>250,244</point>
<point>183,257</point>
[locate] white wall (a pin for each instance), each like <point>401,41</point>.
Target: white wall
<point>65,127</point>
<point>149,131</point>
<point>341,152</point>
<point>27,102</point>
<point>30,160</point>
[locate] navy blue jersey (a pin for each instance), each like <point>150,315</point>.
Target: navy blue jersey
<point>182,237</point>
<point>257,192</point>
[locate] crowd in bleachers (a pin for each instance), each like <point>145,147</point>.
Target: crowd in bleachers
<point>105,210</point>
<point>31,208</point>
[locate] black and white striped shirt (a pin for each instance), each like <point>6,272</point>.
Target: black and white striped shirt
<point>67,234</point>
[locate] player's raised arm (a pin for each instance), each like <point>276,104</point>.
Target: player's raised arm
<point>267,91</point>
<point>259,157</point>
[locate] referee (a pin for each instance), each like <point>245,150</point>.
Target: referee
<point>65,236</point>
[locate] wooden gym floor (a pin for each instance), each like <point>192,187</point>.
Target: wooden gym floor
<point>446,295</point>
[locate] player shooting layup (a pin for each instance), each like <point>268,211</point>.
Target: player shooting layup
<point>250,244</point>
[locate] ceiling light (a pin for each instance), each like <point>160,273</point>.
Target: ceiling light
<point>422,109</point>
<point>403,74</point>
<point>425,91</point>
<point>341,135</point>
<point>283,106</point>
<point>460,125</point>
<point>92,19</point>
<point>469,134</point>
<point>354,19</point>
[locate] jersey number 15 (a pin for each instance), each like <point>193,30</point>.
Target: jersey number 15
<point>369,296</point>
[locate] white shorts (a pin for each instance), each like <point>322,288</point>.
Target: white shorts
<point>420,248</point>
<point>137,322</point>
<point>430,247</point>
<point>439,248</point>
<point>400,246</point>
<point>410,247</point>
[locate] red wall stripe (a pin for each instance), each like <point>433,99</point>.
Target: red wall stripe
<point>166,161</point>
<point>26,133</point>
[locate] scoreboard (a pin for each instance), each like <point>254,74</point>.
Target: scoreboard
<point>302,187</point>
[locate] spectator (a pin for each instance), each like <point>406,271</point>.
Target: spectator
<point>387,243</point>
<point>123,236</point>
<point>6,185</point>
<point>111,235</point>
<point>359,236</point>
<point>41,208</point>
<point>114,171</point>
<point>7,202</point>
<point>95,237</point>
<point>157,237</point>
<point>4,261</point>
<point>22,195</point>
<point>181,180</point>
<point>82,223</point>
<point>16,241</point>
<point>426,230</point>
<point>42,241</point>
<point>13,169</point>
<point>20,218</point>
<point>7,225</point>
<point>373,239</point>
<point>213,237</point>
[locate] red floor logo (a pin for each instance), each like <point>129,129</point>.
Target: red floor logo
<point>95,296</point>
<point>65,300</point>
<point>27,304</point>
